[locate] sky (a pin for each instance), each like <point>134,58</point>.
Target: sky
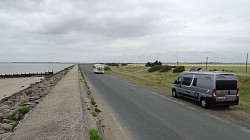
<point>134,31</point>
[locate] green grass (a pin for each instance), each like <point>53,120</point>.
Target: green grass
<point>23,110</point>
<point>94,135</point>
<point>12,117</point>
<point>222,67</point>
<point>94,114</point>
<point>163,80</point>
<point>140,74</point>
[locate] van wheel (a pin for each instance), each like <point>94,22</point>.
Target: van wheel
<point>174,94</point>
<point>204,103</point>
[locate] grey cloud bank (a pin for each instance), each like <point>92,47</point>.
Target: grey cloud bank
<point>124,30</point>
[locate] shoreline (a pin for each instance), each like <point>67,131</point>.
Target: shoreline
<point>9,86</point>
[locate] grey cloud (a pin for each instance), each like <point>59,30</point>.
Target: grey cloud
<point>124,30</point>
<point>96,17</point>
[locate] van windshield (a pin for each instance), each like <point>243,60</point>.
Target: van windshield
<point>226,84</point>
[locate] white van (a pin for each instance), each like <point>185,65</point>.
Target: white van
<point>98,68</point>
<point>209,88</point>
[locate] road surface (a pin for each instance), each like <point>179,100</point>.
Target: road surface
<point>145,116</point>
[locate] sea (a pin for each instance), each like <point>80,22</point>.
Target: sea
<point>17,68</point>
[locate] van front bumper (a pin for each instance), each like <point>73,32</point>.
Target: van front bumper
<point>213,102</point>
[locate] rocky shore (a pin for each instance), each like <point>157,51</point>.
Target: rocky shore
<point>14,107</point>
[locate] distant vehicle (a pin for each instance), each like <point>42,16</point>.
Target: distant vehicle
<point>98,68</point>
<point>209,88</point>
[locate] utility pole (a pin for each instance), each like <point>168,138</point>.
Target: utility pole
<point>246,62</point>
<point>177,62</point>
<point>206,62</point>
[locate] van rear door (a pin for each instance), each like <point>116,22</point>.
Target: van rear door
<point>226,87</point>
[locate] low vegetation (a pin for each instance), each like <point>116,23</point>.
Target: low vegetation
<point>94,114</point>
<point>18,115</point>
<point>93,102</point>
<point>150,64</point>
<point>154,68</point>
<point>107,68</point>
<point>97,110</point>
<point>94,135</point>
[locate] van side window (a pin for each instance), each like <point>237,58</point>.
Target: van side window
<point>195,82</point>
<point>186,81</point>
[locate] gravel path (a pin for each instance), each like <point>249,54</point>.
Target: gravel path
<point>59,116</point>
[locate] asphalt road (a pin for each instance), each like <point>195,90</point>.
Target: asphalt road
<point>146,116</point>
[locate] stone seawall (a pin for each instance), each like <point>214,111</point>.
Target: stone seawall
<point>14,107</point>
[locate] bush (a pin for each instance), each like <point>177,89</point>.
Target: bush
<point>165,68</point>
<point>149,64</point>
<point>106,68</point>
<point>94,135</point>
<point>23,110</point>
<point>113,64</point>
<point>97,110</point>
<point>124,64</point>
<point>94,114</point>
<point>179,69</point>
<point>155,68</point>
<point>93,102</point>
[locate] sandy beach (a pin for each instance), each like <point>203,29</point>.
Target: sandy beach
<point>9,86</point>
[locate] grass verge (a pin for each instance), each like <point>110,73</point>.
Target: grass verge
<point>163,81</point>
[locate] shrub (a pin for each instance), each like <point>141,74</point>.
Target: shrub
<point>107,68</point>
<point>149,64</point>
<point>23,110</point>
<point>154,68</point>
<point>94,114</point>
<point>165,68</point>
<point>113,64</point>
<point>93,102</point>
<point>179,69</point>
<point>97,110</point>
<point>124,64</point>
<point>94,135</point>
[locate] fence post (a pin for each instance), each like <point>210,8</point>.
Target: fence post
<point>246,62</point>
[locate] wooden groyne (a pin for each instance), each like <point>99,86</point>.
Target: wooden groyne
<point>41,74</point>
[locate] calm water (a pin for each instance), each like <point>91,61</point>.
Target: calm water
<point>10,68</point>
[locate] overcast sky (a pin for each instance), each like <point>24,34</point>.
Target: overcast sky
<point>124,30</point>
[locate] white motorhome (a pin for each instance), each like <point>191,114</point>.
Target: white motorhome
<point>98,68</point>
<point>209,88</point>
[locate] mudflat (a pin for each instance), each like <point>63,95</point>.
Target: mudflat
<point>9,86</point>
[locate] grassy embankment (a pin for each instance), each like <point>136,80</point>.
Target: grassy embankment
<point>163,80</point>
